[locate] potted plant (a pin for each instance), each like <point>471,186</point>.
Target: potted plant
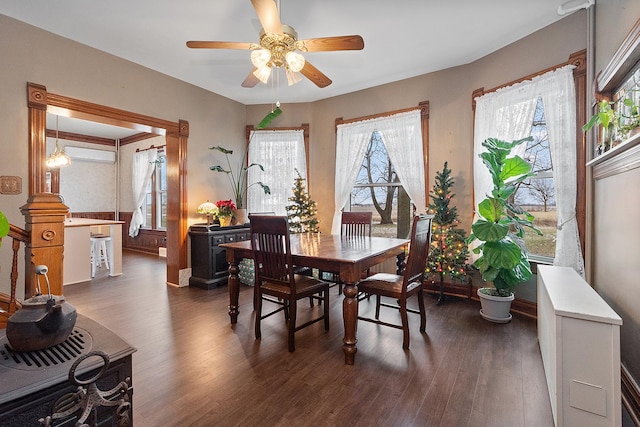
<point>238,176</point>
<point>226,212</point>
<point>616,125</point>
<point>609,120</point>
<point>500,228</point>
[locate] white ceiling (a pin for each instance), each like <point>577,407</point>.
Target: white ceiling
<point>403,38</point>
<point>89,128</point>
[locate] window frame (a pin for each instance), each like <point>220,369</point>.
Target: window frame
<point>156,194</point>
<point>304,127</point>
<point>579,61</point>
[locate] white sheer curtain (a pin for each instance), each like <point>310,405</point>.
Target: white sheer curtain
<point>558,96</point>
<point>144,163</point>
<point>280,153</point>
<point>402,137</point>
<point>507,114</point>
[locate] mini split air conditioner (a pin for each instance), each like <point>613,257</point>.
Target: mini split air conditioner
<point>90,155</point>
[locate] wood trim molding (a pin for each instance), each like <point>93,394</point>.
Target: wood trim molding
<point>577,59</point>
<point>70,136</point>
<point>37,102</point>
<point>630,394</point>
<point>79,109</point>
<point>423,106</point>
<point>135,138</point>
<point>177,133</point>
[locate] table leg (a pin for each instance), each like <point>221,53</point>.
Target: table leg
<point>350,316</point>
<point>234,291</point>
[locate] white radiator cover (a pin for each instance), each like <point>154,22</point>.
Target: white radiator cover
<point>579,337</point>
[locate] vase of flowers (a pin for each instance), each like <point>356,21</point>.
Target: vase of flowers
<point>226,211</point>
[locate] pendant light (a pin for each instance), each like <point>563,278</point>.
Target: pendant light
<point>58,158</point>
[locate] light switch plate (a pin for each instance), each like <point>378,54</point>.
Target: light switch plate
<point>10,185</point>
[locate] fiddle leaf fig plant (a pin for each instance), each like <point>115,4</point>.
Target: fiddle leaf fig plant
<point>501,223</point>
<point>238,176</point>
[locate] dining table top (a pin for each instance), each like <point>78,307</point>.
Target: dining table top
<point>330,247</point>
<point>347,256</point>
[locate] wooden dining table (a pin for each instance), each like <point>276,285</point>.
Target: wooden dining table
<point>346,256</point>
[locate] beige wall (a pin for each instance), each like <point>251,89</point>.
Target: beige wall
<point>616,200</point>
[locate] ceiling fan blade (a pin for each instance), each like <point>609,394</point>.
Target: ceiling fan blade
<point>220,45</point>
<point>315,75</point>
<point>268,15</point>
<point>324,44</point>
<point>251,80</point>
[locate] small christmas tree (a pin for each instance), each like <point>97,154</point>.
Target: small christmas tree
<point>301,215</point>
<point>449,252</point>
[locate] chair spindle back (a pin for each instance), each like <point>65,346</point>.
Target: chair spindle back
<point>271,245</point>
<point>356,223</point>
<point>418,250</point>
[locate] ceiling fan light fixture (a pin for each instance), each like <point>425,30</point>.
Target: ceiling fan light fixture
<point>263,73</point>
<point>260,57</point>
<point>295,61</point>
<point>292,77</point>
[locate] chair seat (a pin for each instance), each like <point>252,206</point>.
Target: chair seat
<point>385,284</point>
<point>305,286</point>
<point>402,287</point>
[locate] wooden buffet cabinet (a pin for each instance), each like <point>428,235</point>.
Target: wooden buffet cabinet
<point>209,267</point>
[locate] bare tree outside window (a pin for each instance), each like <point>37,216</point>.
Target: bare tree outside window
<point>377,188</point>
<point>537,194</point>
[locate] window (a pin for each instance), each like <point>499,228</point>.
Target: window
<point>378,190</point>
<point>282,154</point>
<point>544,107</point>
<point>155,205</point>
<point>401,134</point>
<point>537,194</point>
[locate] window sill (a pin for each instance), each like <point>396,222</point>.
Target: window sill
<point>536,260</point>
<point>620,158</point>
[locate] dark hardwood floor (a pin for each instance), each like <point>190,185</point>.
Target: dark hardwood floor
<point>192,368</point>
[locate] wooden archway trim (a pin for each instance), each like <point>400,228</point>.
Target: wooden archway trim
<point>177,134</point>
<point>423,106</point>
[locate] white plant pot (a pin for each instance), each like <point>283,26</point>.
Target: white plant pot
<point>495,309</point>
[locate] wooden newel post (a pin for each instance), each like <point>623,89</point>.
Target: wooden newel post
<point>44,215</point>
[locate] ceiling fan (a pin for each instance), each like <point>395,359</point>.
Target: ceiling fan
<point>277,48</point>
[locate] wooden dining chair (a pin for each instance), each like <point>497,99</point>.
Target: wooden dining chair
<point>271,245</point>
<point>352,224</point>
<point>402,287</point>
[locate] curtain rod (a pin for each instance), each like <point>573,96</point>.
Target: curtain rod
<point>423,106</point>
<point>159,147</point>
